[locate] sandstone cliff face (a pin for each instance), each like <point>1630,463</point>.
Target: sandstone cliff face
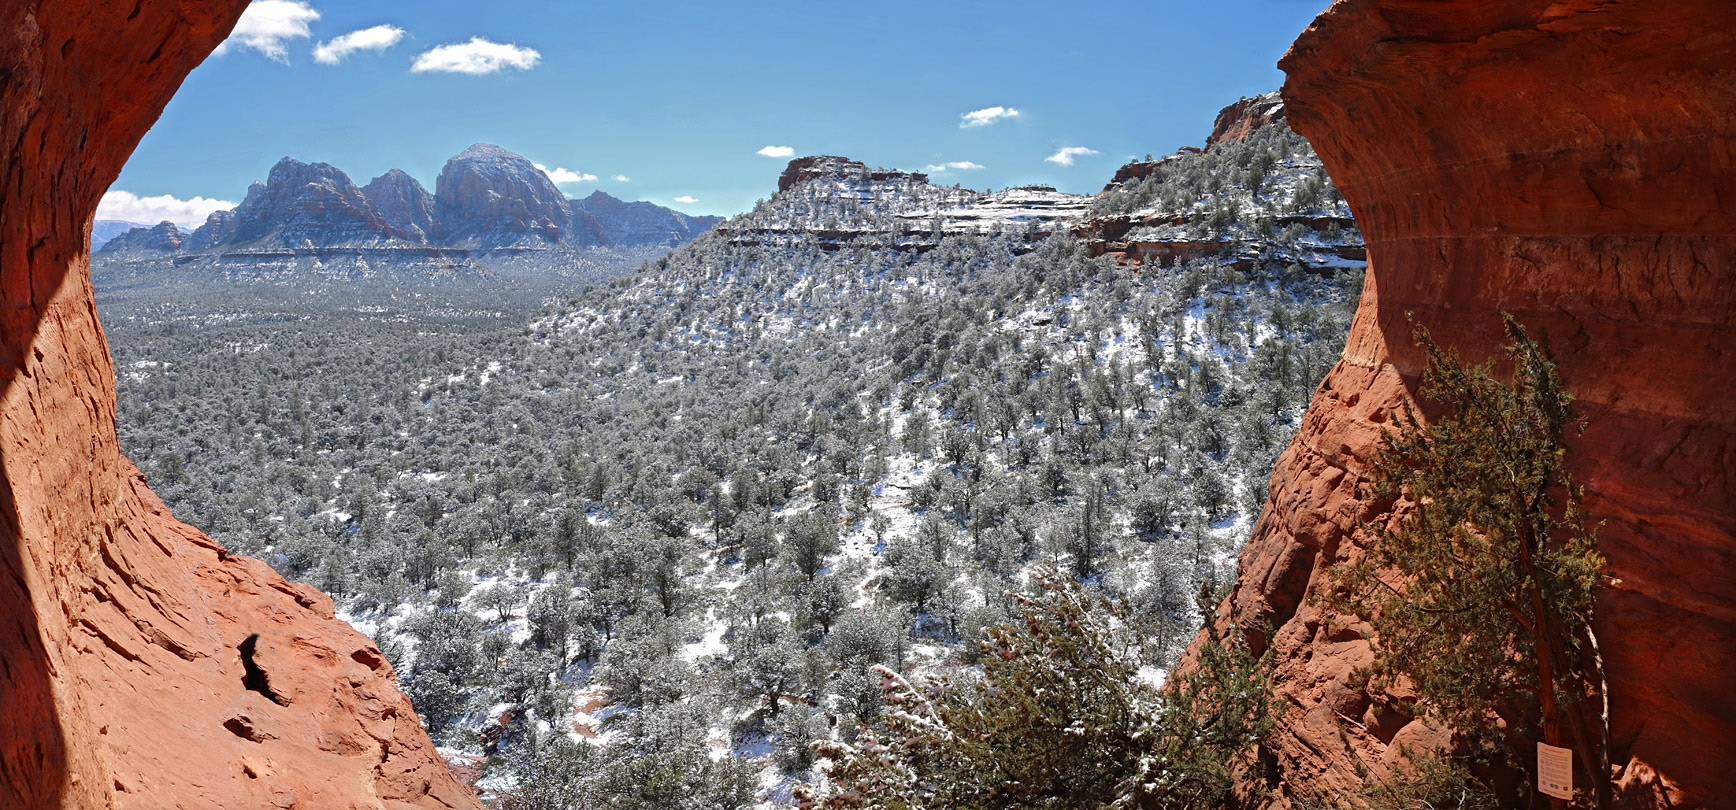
<point>1141,169</point>
<point>804,169</point>
<point>218,226</point>
<point>1573,163</point>
<point>307,203</point>
<point>141,666</point>
<point>489,197</point>
<point>1241,119</point>
<point>406,207</point>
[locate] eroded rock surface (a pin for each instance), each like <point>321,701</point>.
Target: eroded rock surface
<point>803,169</point>
<point>1573,163</point>
<point>307,203</point>
<point>489,197</point>
<point>141,666</point>
<point>407,208</point>
<point>1241,119</point>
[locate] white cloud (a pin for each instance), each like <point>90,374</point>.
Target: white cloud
<point>476,57</point>
<point>777,152</point>
<point>1066,155</point>
<point>961,165</point>
<point>130,207</point>
<point>686,200</point>
<point>378,38</point>
<point>559,175</point>
<point>986,116</point>
<point>268,25</point>
<point>621,178</point>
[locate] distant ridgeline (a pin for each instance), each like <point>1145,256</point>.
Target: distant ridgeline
<point>836,202</point>
<point>1255,193</point>
<point>491,210</point>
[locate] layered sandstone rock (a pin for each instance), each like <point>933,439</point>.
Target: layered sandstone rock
<point>219,225</point>
<point>307,203</point>
<point>1573,163</point>
<point>1239,120</point>
<point>406,207</point>
<point>489,197</point>
<point>803,169</point>
<point>141,666</point>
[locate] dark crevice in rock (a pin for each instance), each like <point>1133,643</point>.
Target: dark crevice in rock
<point>252,676</point>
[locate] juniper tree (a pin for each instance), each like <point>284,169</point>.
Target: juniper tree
<point>1062,716</point>
<point>1480,588</point>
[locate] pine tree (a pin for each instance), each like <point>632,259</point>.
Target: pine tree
<point>1480,587</point>
<point>1062,716</point>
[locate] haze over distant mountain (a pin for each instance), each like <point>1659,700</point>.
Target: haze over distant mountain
<point>103,230</point>
<point>492,211</point>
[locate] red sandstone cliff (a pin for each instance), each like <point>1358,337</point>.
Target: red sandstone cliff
<point>1239,120</point>
<point>122,670</point>
<point>1573,163</point>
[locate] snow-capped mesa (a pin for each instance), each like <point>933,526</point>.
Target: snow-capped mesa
<point>834,200</point>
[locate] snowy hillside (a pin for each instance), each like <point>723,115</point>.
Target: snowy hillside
<point>1265,197</point>
<point>675,520</point>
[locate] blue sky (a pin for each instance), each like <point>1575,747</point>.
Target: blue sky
<point>673,102</point>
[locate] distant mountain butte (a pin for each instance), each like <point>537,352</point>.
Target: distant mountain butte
<point>405,206</point>
<point>833,201</point>
<point>306,204</point>
<point>486,199</point>
<point>640,223</point>
<point>143,243</point>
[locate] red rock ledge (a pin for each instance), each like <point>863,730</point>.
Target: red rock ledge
<point>121,630</point>
<point>1573,163</point>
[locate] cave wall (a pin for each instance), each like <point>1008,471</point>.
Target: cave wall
<point>122,630</point>
<point>1573,163</point>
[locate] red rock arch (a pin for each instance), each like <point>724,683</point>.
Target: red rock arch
<point>1573,163</point>
<point>122,682</point>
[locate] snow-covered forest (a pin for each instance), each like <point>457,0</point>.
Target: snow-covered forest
<point>676,518</point>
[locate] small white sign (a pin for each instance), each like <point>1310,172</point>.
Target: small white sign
<point>1555,771</point>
